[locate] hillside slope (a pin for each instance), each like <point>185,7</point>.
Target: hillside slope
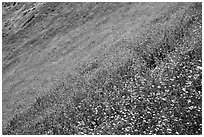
<point>102,68</point>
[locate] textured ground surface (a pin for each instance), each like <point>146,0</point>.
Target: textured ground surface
<point>102,68</point>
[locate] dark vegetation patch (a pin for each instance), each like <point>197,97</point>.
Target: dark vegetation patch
<point>90,68</point>
<point>8,4</point>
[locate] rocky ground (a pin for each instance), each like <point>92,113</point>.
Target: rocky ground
<point>102,68</point>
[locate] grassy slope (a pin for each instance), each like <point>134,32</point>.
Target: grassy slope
<point>58,52</point>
